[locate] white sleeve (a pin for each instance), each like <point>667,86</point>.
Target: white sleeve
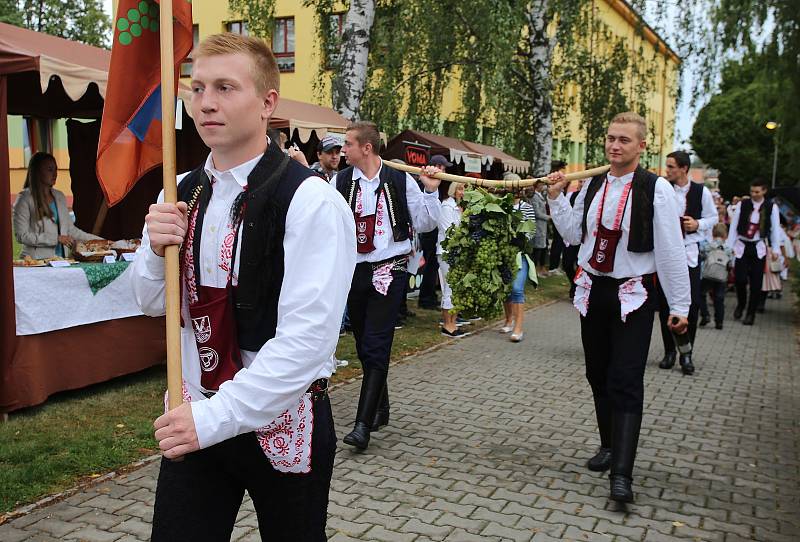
<point>670,254</point>
<point>775,237</point>
<point>319,258</point>
<point>709,216</point>
<point>567,219</point>
<point>424,209</point>
<point>147,276</point>
<point>733,235</point>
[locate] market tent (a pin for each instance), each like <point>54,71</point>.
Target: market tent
<point>455,150</point>
<point>49,77</point>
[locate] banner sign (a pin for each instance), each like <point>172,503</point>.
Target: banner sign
<point>472,164</point>
<point>416,154</point>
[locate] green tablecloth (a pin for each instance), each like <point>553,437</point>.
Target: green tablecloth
<point>101,275</point>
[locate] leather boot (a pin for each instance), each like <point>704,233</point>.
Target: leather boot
<point>749,319</point>
<point>737,312</point>
<point>371,387</point>
<point>669,360</point>
<point>382,412</point>
<point>687,367</point>
<point>625,440</point>
<point>602,459</point>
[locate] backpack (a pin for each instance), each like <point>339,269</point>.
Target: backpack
<point>716,266</point>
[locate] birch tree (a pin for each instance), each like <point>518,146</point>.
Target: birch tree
<point>538,62</point>
<point>350,78</point>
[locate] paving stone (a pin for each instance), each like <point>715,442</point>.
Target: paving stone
<point>379,533</point>
<point>93,534</point>
<point>54,527</point>
<point>9,533</point>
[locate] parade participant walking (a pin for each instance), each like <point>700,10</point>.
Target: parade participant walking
<point>626,225</point>
<point>258,328</point>
<point>754,221</point>
<point>386,205</point>
<point>698,214</point>
<point>557,244</point>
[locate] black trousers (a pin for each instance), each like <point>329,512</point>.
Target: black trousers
<point>749,268</point>
<point>373,316</point>
<point>616,351</point>
<point>694,310</point>
<point>570,266</point>
<point>556,249</point>
<point>539,256</point>
<point>430,274</point>
<point>717,291</point>
<point>198,498</point>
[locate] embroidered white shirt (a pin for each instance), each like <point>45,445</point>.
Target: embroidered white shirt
<point>668,258</point>
<point>424,211</point>
<point>708,218</point>
<point>755,217</point>
<point>319,259</point>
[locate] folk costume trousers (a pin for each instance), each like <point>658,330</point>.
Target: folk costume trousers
<point>198,498</point>
<point>616,351</point>
<point>749,268</point>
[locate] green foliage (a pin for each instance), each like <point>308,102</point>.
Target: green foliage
<point>77,20</point>
<point>730,134</point>
<point>258,14</point>
<point>482,252</point>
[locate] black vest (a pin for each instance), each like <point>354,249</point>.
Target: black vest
<point>765,218</point>
<point>270,189</point>
<point>640,237</point>
<point>394,183</point>
<point>694,201</point>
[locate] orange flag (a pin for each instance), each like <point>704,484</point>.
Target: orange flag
<point>130,133</point>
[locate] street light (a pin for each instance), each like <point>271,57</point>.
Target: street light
<point>772,125</point>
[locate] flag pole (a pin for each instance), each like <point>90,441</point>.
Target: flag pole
<point>172,270</point>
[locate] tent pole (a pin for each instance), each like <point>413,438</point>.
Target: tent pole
<point>8,321</point>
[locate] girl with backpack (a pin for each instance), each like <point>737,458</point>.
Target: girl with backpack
<point>718,258</point>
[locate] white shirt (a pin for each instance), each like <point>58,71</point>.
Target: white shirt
<point>450,215</point>
<point>708,218</point>
<point>668,258</point>
<point>319,259</point>
<point>424,212</point>
<point>755,218</point>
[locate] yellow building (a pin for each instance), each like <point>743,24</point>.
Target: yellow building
<point>296,47</point>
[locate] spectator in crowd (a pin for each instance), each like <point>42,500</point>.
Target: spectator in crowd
<point>718,260</point>
<point>557,244</point>
<point>427,289</point>
<point>42,223</point>
<point>451,216</point>
<point>539,203</point>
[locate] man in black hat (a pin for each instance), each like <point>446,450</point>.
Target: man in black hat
<point>427,289</point>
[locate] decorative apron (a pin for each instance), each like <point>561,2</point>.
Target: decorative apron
<point>606,241</point>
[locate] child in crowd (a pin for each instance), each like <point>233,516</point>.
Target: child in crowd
<point>715,272</point>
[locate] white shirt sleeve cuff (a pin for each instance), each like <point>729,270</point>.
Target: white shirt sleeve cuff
<point>558,205</point>
<point>211,426</point>
<point>153,264</point>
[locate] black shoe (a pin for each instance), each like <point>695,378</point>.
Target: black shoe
<point>718,325</point>
<point>382,412</point>
<point>410,314</point>
<point>621,490</point>
<point>737,313</point>
<point>760,310</point>
<point>687,367</point>
<point>749,319</point>
<point>601,460</point>
<point>458,333</point>
<point>668,362</point>
<point>704,321</point>
<point>358,437</point>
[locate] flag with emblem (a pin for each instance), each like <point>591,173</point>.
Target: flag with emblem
<point>130,133</point>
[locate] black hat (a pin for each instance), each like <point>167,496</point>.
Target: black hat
<point>439,160</point>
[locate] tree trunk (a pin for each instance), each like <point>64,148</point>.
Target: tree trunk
<point>538,65</point>
<point>350,79</point>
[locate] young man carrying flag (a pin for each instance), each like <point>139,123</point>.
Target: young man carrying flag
<point>267,254</point>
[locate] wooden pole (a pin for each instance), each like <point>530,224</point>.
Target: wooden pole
<point>172,271</point>
<point>510,185</point>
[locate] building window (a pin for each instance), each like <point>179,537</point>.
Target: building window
<point>186,65</point>
<point>283,43</point>
<point>336,25</point>
<point>237,27</point>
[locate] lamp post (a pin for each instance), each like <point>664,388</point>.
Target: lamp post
<point>772,125</point>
